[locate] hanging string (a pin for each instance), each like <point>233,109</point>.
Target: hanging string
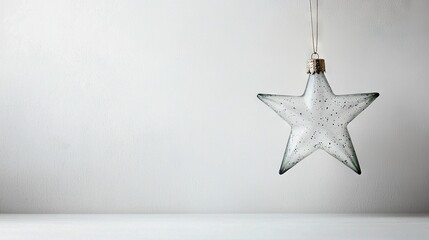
<point>314,33</point>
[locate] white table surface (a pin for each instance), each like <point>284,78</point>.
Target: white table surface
<point>241,226</point>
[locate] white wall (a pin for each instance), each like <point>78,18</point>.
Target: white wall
<point>150,106</point>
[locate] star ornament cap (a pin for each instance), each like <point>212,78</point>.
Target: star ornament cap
<point>319,119</point>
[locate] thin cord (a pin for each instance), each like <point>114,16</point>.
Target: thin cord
<point>314,40</point>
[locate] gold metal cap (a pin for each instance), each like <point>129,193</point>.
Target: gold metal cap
<point>315,65</point>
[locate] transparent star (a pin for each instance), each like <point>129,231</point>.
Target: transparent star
<point>319,120</point>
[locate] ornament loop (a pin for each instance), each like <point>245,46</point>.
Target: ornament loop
<point>314,54</point>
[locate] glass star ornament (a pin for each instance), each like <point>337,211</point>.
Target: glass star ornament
<point>319,119</point>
